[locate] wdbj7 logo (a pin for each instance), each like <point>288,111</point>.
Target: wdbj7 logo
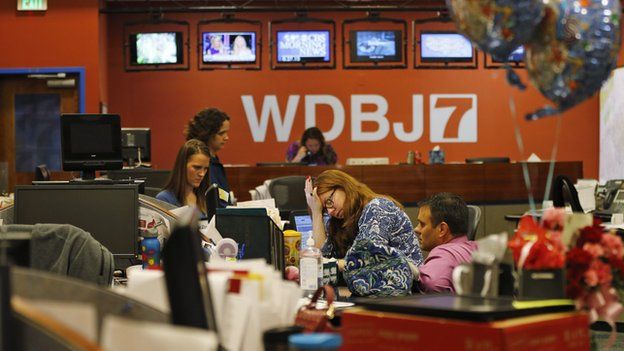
<point>452,117</point>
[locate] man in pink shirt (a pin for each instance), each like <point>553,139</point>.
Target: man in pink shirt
<point>442,227</point>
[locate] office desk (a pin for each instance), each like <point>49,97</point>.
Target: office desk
<point>493,183</point>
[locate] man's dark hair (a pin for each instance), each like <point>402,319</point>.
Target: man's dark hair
<point>449,208</point>
<point>205,124</point>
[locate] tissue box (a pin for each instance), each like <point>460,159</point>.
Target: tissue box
<point>542,284</point>
<point>436,157</point>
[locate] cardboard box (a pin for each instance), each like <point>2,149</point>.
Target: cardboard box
<point>371,330</point>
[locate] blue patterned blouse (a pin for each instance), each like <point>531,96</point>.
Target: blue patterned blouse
<point>377,262</point>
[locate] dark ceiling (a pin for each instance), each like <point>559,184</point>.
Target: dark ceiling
<point>271,5</point>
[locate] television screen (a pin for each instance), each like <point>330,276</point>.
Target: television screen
<point>218,47</point>
<point>303,46</point>
<point>445,46</point>
<point>375,45</point>
<point>156,48</point>
<point>516,56</point>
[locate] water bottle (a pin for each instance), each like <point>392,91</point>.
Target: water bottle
<point>150,249</point>
<point>411,157</point>
<point>310,268</point>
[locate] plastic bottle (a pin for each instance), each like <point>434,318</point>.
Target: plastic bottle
<point>310,268</point>
<point>150,249</point>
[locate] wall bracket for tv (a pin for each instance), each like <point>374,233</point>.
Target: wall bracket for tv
<point>376,27</point>
<point>302,23</point>
<point>154,34</point>
<point>223,28</point>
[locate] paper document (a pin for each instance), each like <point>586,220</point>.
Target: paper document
<point>121,334</point>
<point>80,317</point>
<point>209,230</point>
<point>586,189</point>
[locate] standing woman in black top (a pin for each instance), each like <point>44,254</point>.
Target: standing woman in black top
<point>212,127</point>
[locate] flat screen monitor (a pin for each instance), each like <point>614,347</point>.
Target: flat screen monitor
<point>212,201</point>
<point>90,142</point>
<point>189,295</point>
<point>376,45</point>
<point>445,47</point>
<point>109,212</point>
<point>136,145</point>
<point>516,56</point>
<point>303,46</point>
<point>228,47</point>
<point>163,48</point>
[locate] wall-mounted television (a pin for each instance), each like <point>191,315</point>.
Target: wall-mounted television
<point>445,47</point>
<point>516,56</point>
<point>161,48</point>
<point>303,46</point>
<point>220,47</point>
<point>376,45</point>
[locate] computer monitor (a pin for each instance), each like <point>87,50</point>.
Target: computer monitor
<point>136,145</point>
<point>376,45</point>
<point>189,295</point>
<point>109,212</point>
<point>445,47</point>
<point>301,221</point>
<point>90,142</point>
<point>212,201</point>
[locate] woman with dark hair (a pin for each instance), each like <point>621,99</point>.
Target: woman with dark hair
<point>369,233</point>
<point>312,149</point>
<point>188,182</point>
<point>212,126</point>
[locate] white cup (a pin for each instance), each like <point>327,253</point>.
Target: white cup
<point>617,218</point>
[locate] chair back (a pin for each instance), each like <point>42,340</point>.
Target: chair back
<point>564,191</point>
<point>289,193</point>
<point>42,173</point>
<point>474,216</point>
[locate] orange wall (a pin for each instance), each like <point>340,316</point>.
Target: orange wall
<point>165,101</point>
<point>65,35</point>
<point>68,34</point>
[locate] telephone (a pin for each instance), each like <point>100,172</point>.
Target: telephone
<point>614,196</point>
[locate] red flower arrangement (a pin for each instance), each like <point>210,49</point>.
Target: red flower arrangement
<point>595,273</point>
<point>538,246</point>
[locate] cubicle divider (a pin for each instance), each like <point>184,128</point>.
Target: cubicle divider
<point>255,233</point>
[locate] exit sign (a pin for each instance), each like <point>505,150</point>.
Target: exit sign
<point>32,5</point>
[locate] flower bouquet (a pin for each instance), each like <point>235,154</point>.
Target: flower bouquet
<point>595,273</point>
<point>539,255</point>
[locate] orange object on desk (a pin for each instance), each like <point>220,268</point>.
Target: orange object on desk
<point>372,330</point>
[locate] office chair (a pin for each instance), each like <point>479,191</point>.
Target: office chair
<point>67,250</point>
<point>474,215</point>
<point>564,191</point>
<point>42,173</point>
<point>288,193</point>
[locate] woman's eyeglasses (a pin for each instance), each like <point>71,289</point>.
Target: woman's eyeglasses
<point>329,203</point>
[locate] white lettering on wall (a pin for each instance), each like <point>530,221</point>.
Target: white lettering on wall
<point>339,114</point>
<point>270,109</point>
<point>378,116</point>
<point>453,118</point>
<point>418,118</point>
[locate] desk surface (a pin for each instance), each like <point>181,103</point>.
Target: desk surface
<point>409,184</point>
